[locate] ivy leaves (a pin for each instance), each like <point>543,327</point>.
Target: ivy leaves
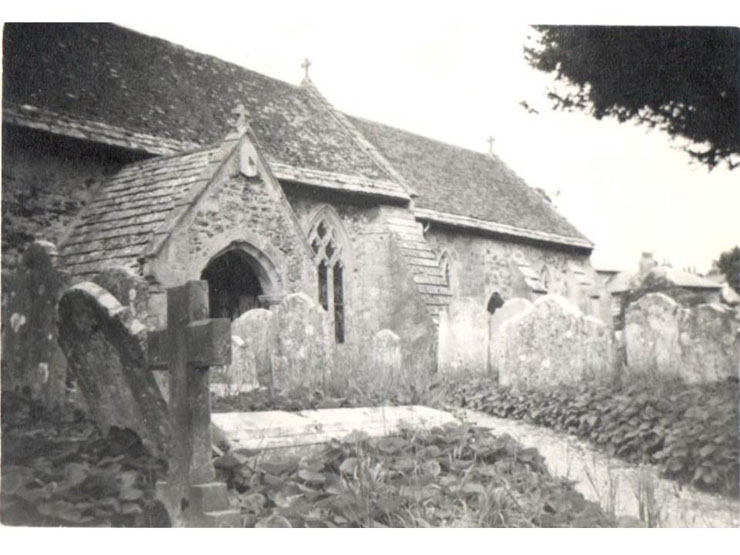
<point>691,432</point>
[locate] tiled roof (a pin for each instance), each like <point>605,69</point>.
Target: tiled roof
<point>136,204</point>
<point>107,83</point>
<point>454,180</point>
<point>108,74</point>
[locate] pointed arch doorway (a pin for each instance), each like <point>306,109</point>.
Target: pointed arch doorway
<point>237,282</point>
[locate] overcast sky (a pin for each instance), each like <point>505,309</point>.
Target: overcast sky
<point>457,73</point>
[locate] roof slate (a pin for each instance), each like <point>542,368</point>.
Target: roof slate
<point>463,182</point>
<point>105,73</point>
<point>121,221</point>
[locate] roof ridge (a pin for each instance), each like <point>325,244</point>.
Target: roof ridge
<point>425,137</point>
<point>356,135</point>
<point>190,51</point>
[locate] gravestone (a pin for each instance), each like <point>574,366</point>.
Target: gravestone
<point>253,329</point>
<point>463,338</point>
<point>510,308</point>
<point>31,357</point>
<point>130,290</point>
<point>386,362</point>
<point>553,343</point>
<point>302,344</point>
<point>105,348</point>
<point>696,344</point>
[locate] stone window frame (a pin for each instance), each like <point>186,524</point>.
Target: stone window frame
<point>330,248</point>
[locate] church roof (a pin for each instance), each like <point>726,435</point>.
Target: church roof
<point>105,73</point>
<point>134,206</point>
<point>114,85</point>
<point>462,182</point>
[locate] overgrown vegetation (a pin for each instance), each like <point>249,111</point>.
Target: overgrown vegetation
<point>58,470</point>
<point>453,476</point>
<point>691,432</point>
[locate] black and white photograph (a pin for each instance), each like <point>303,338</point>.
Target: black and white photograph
<point>370,266</point>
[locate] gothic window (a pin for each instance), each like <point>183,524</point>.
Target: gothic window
<point>325,242</point>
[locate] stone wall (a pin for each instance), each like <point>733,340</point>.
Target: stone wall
<point>380,289</point>
<point>46,180</point>
<point>697,344</point>
<point>552,343</point>
<point>250,214</point>
<point>482,266</point>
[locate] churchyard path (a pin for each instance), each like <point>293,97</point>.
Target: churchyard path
<point>614,484</point>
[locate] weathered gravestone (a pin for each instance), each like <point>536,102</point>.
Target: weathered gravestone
<point>696,344</point>
<point>510,308</point>
<point>251,364</point>
<point>105,347</point>
<point>302,344</point>
<point>31,357</point>
<point>463,338</point>
<point>386,362</point>
<point>553,343</point>
<point>130,290</point>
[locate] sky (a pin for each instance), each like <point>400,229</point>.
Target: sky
<point>456,72</point>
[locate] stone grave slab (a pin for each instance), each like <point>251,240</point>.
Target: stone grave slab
<point>280,429</point>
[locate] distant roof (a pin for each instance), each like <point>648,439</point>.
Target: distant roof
<point>685,279</point>
<point>119,225</point>
<point>458,181</point>
<point>133,89</point>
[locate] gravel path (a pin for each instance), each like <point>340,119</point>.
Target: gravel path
<point>614,483</point>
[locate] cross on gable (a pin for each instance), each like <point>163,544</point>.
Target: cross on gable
<point>306,65</point>
<point>242,117</point>
<point>490,141</point>
<point>187,347</point>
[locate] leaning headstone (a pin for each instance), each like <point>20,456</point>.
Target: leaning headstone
<point>696,344</point>
<point>31,358</point>
<point>302,344</point>
<point>128,288</point>
<point>463,338</point>
<point>511,308</point>
<point>553,343</point>
<point>105,349</point>
<point>253,329</point>
<point>386,359</point>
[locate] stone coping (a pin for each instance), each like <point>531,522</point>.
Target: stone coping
<point>280,429</point>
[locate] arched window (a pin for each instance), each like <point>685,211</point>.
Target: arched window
<point>327,245</point>
<point>447,271</point>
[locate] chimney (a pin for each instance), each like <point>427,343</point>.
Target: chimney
<point>647,262</point>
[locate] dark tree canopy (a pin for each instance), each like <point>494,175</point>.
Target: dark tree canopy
<point>685,80</point>
<point>729,265</point>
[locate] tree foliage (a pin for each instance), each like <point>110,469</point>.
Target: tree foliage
<point>729,265</point>
<point>685,80</point>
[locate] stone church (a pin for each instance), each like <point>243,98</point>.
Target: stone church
<point>126,150</point>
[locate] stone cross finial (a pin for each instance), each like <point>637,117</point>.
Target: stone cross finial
<point>305,65</point>
<point>241,123</point>
<point>490,144</point>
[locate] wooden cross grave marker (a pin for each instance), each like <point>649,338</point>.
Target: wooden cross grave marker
<point>191,343</point>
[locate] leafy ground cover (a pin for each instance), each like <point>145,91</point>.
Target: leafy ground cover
<point>690,432</point>
<point>58,470</point>
<point>452,476</point>
<point>302,398</point>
